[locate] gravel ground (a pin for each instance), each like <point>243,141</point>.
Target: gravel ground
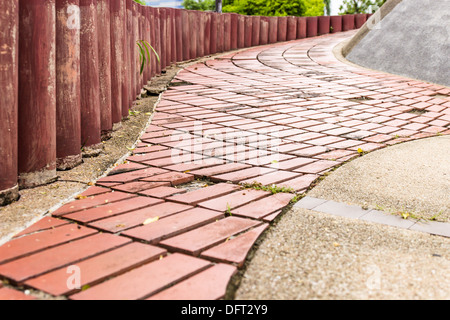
<point>311,255</point>
<point>410,177</point>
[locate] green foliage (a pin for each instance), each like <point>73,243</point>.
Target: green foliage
<point>144,49</point>
<point>201,5</point>
<point>360,6</point>
<point>141,2</point>
<point>276,7</point>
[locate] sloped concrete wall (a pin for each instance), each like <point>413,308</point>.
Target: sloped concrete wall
<point>413,40</point>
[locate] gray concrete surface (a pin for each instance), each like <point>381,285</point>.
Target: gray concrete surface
<point>327,248</point>
<point>312,255</point>
<point>412,41</point>
<point>412,177</point>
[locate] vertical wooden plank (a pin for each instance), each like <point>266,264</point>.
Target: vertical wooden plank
<point>104,56</point>
<point>248,31</point>
<point>157,21</point>
<point>68,90</point>
<point>241,31</point>
<point>185,34</point>
<point>154,60</point>
<point>134,54</point>
<point>234,31</point>
<point>213,37</point>
<point>264,33</point>
<point>273,29</point>
<point>220,33</point>
<point>291,28</point>
<point>37,98</point>
<point>348,22</point>
<point>193,27</point>
<point>256,30</point>
<point>324,25</point>
<point>336,24</point>
<point>168,37</point>
<point>130,47</point>
<point>226,32</point>
<point>162,42</point>
<point>179,34</point>
<point>207,31</point>
<point>173,36</point>
<point>312,27</point>
<point>9,37</point>
<point>117,58</point>
<point>301,27</point>
<point>90,83</point>
<point>201,33</point>
<point>360,19</point>
<point>282,29</point>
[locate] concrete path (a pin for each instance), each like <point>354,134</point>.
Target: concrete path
<point>174,221</point>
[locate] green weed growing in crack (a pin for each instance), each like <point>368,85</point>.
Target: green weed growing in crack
<point>274,189</point>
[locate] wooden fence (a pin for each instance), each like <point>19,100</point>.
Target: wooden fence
<point>69,70</point>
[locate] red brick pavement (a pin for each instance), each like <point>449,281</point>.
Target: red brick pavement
<point>280,114</point>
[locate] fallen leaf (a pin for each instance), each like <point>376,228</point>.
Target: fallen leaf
<point>150,220</point>
<point>80,197</point>
<point>335,244</point>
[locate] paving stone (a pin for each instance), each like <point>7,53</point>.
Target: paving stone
<point>137,186</point>
<point>271,217</point>
<point>138,217</point>
<point>203,238</point>
<point>174,225</point>
<point>43,224</point>
<point>292,164</point>
<point>8,294</point>
<point>91,202</point>
<point>97,269</point>
<point>23,246</point>
<point>309,203</point>
<point>234,200</point>
<point>93,191</point>
<point>162,192</point>
<point>133,175</point>
<point>432,227</point>
<point>317,167</point>
<point>235,250</point>
<point>63,255</point>
<point>341,209</point>
<point>113,209</point>
<point>241,175</point>
<point>175,178</point>
<point>300,183</point>
<point>204,194</point>
<point>261,208</point>
<point>127,167</point>
<point>220,169</point>
<point>387,219</point>
<point>146,280</point>
<point>198,287</point>
<point>272,178</point>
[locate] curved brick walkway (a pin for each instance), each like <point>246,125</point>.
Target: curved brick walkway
<point>280,114</point>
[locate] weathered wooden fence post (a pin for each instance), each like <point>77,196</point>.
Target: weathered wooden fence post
<point>117,58</point>
<point>37,98</point>
<point>90,80</point>
<point>9,37</point>
<point>264,32</point>
<point>282,29</point>
<point>68,89</point>
<point>291,28</point>
<point>104,58</point>
<point>256,30</point>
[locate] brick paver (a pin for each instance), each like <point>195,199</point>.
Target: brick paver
<point>281,114</point>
